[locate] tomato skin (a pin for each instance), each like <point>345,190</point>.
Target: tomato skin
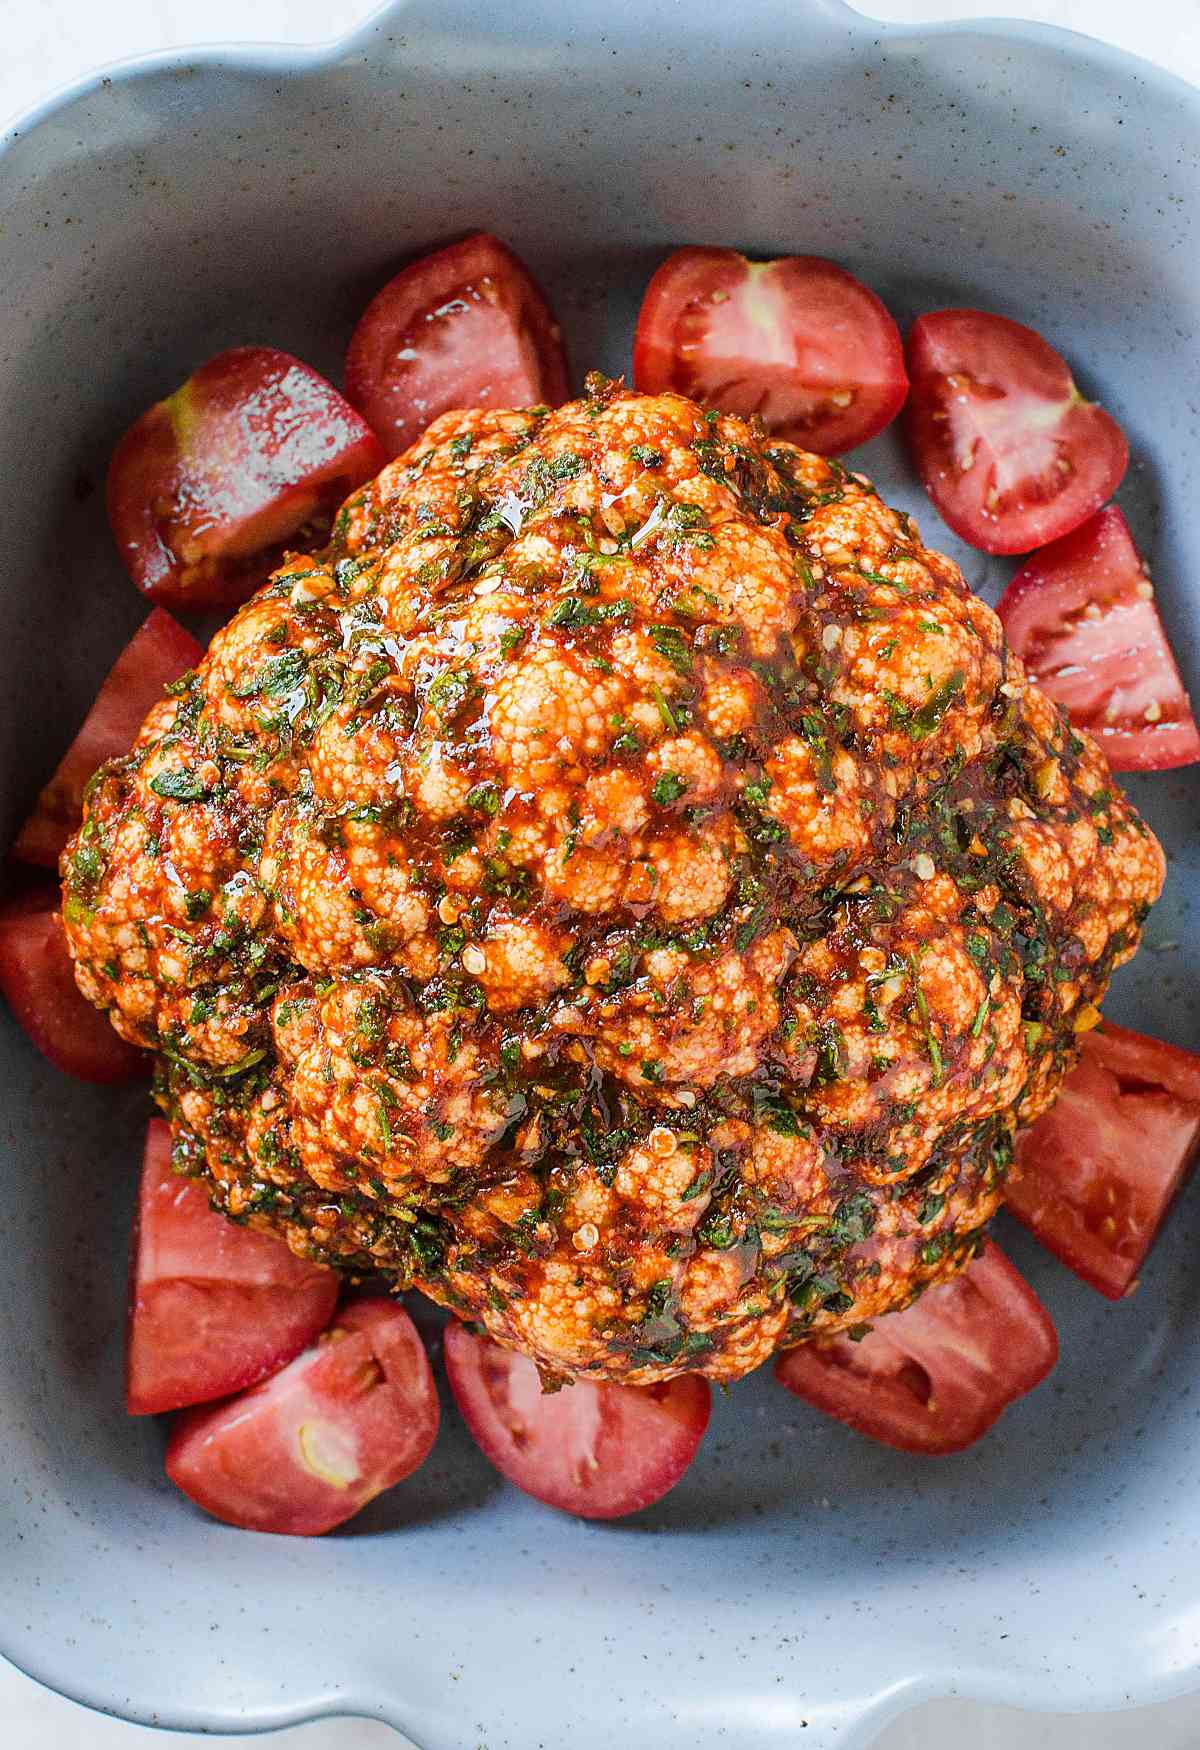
<point>1081,615</point>
<point>159,652</point>
<point>37,978</point>
<point>797,340</point>
<point>304,1451</point>
<point>935,1377</point>
<point>597,1450</point>
<point>1095,1176</point>
<point>213,1307</point>
<point>467,326</point>
<point>208,488</point>
<point>1006,447</point>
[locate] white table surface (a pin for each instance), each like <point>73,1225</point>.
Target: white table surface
<point>48,43</point>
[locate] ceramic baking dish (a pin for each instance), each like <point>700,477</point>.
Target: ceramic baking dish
<point>801,1585</point>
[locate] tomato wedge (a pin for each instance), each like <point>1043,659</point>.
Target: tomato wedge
<point>597,1450</point>
<point>933,1378</point>
<point>208,488</point>
<point>213,1307</point>
<point>304,1451</point>
<point>1098,1171</point>
<point>1081,616</point>
<point>1007,448</point>
<point>464,327</point>
<point>798,341</point>
<point>159,652</point>
<point>37,978</point>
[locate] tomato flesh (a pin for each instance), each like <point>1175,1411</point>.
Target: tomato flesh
<point>464,327</point>
<point>213,1306</point>
<point>592,1449</point>
<point>1097,1173</point>
<point>935,1377</point>
<point>207,489</point>
<point>798,341</point>
<point>354,1414</point>
<point>37,978</point>
<point>159,652</point>
<point>1081,616</point>
<point>1007,448</point>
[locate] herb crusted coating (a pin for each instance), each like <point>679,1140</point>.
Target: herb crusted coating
<point>623,886</point>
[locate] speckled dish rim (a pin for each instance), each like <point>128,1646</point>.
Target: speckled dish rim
<point>855,1725</point>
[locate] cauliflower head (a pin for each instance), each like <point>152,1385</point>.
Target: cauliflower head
<point>623,886</point>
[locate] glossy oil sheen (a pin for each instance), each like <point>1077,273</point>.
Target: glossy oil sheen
<point>800,1585</point>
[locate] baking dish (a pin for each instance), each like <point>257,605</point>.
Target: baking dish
<point>800,1586</point>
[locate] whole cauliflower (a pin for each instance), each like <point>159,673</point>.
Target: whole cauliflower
<point>624,887</point>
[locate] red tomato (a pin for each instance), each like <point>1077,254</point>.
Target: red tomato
<point>307,1449</point>
<point>208,488</point>
<point>1098,1171</point>
<point>213,1306</point>
<point>37,977</point>
<point>798,341</point>
<point>464,327</point>
<point>1007,448</point>
<point>1081,616</point>
<point>933,1378</point>
<point>159,651</point>
<point>593,1449</point>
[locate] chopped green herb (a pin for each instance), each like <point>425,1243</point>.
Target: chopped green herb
<point>699,1185</point>
<point>853,1220</point>
<point>572,611</point>
<point>977,948</point>
<point>670,643</point>
<point>668,788</point>
<point>86,865</point>
<point>484,797</point>
<point>664,710</point>
<point>747,931</point>
<point>197,903</point>
<point>657,1297</point>
<point>180,786</point>
<point>568,466</point>
<point>717,1231</point>
<point>346,570</point>
<point>449,692</point>
<point>772,1109</point>
<point>935,1058</point>
<point>925,721</point>
<point>278,676</point>
<point>832,1056</point>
